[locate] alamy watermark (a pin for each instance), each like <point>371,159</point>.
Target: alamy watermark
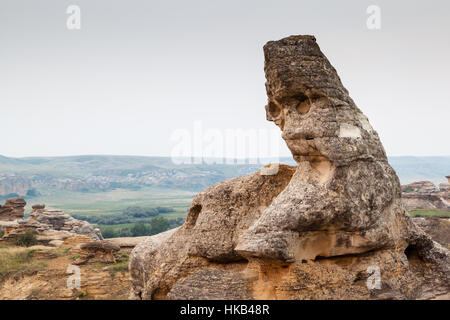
<point>73,21</point>
<point>374,280</point>
<point>373,21</point>
<point>74,281</point>
<point>229,146</point>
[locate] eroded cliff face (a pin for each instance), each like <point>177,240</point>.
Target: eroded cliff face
<point>425,195</point>
<point>315,231</point>
<point>48,273</point>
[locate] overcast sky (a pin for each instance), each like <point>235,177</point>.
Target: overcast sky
<point>137,71</point>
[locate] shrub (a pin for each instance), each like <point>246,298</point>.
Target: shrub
<point>108,232</point>
<point>159,224</point>
<point>27,239</point>
<point>2,233</point>
<point>164,209</point>
<point>140,230</point>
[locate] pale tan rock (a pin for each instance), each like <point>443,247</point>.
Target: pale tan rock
<point>51,227</point>
<point>55,243</point>
<point>59,221</point>
<point>128,242</point>
<point>314,231</point>
<point>101,251</point>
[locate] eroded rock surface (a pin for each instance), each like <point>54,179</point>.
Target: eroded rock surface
<point>314,231</point>
<point>425,195</point>
<point>49,271</point>
<point>52,227</point>
<point>13,209</point>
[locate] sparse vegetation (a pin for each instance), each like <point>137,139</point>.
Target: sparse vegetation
<point>153,226</point>
<point>27,239</point>
<point>429,213</point>
<point>133,214</point>
<point>59,252</point>
<point>14,260</point>
<point>118,267</point>
<point>121,265</point>
<point>2,233</point>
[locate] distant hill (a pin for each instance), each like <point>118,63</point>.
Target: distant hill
<point>101,173</point>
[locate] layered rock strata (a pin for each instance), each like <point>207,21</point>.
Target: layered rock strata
<point>425,195</point>
<point>13,209</point>
<point>52,227</point>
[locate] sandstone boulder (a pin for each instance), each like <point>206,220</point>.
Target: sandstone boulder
<point>127,242</point>
<point>315,231</point>
<point>38,207</point>
<point>101,251</point>
<point>13,209</point>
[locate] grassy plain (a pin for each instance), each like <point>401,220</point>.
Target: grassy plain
<point>429,213</point>
<point>115,201</point>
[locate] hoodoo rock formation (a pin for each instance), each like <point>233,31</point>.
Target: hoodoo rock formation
<point>315,231</point>
<point>52,227</point>
<point>13,209</point>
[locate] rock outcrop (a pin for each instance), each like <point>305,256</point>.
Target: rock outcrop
<point>52,227</point>
<point>13,209</point>
<point>425,195</point>
<point>320,230</point>
<point>49,271</point>
<point>437,227</point>
<point>101,251</point>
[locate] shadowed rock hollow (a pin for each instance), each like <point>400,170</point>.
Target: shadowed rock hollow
<point>314,231</point>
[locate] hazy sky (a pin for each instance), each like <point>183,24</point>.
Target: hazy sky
<point>137,71</point>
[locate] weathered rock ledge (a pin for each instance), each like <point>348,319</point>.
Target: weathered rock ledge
<point>52,227</point>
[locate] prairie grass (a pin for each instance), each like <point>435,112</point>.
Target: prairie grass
<point>429,213</point>
<point>121,265</point>
<point>18,260</point>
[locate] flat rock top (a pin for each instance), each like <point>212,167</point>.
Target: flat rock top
<point>16,202</point>
<point>100,245</point>
<point>127,241</point>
